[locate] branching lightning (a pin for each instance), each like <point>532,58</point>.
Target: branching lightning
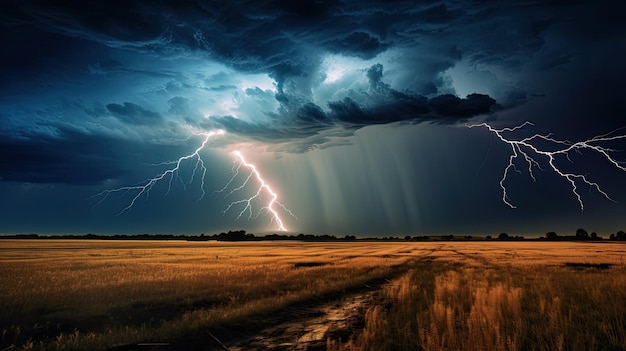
<point>199,170</point>
<point>527,151</point>
<point>270,206</point>
<point>171,174</point>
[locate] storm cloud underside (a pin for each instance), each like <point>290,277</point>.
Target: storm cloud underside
<point>94,91</point>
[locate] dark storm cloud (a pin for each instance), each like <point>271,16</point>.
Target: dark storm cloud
<point>265,36</point>
<point>359,44</point>
<point>252,37</point>
<point>300,123</point>
<point>73,158</point>
<point>453,106</point>
<point>79,144</point>
<point>286,39</point>
<point>70,154</point>
<point>437,14</point>
<point>52,41</point>
<point>97,92</point>
<point>262,37</point>
<point>310,118</point>
<point>134,114</point>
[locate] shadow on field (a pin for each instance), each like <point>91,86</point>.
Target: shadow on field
<point>581,266</point>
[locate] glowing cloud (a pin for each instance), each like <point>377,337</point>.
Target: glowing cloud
<point>528,150</point>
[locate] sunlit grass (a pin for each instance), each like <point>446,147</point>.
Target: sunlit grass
<point>93,294</point>
<point>78,295</point>
<point>514,304</point>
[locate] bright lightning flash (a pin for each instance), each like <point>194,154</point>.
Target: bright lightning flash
<point>529,152</point>
<point>270,206</point>
<point>172,175</point>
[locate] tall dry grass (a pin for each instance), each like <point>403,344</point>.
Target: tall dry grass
<point>444,306</point>
<point>78,295</point>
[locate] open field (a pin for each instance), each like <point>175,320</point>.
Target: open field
<point>76,295</point>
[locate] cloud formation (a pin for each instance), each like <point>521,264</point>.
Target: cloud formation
<point>298,120</point>
<point>134,114</point>
<point>294,75</point>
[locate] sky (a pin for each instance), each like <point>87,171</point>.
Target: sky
<point>355,114</point>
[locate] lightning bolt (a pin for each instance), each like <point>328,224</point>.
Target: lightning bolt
<point>527,150</point>
<point>171,174</point>
<point>263,187</point>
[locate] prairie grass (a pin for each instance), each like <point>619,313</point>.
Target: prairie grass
<point>520,303</point>
<point>91,295</point>
<point>80,295</point>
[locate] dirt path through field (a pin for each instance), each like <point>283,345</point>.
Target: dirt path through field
<point>302,327</point>
<point>307,328</point>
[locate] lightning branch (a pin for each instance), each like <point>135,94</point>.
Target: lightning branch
<point>528,152</point>
<point>263,193</point>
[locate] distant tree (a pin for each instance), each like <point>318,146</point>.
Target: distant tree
<point>620,235</point>
<point>552,235</point>
<point>239,235</point>
<point>488,237</point>
<point>503,236</point>
<point>581,234</point>
<point>407,238</point>
<point>594,236</point>
<point>612,237</point>
<point>325,237</point>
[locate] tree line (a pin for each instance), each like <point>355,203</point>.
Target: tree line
<point>582,234</point>
<point>242,235</point>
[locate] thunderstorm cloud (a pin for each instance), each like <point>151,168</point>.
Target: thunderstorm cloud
<point>96,93</point>
<point>292,75</point>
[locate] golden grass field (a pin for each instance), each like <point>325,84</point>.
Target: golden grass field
<point>90,295</point>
